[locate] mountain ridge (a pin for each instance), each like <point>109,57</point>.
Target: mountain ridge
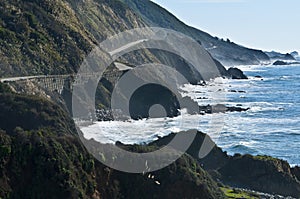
<point>227,52</point>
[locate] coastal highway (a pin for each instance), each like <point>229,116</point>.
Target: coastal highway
<point>13,79</point>
<point>120,67</point>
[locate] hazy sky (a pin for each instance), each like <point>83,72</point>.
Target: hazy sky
<point>260,24</point>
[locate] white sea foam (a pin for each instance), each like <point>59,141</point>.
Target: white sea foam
<point>271,126</point>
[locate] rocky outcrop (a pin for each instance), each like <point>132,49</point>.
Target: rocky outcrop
<point>236,73</point>
<point>282,63</point>
<point>260,173</point>
<point>184,178</point>
<point>155,96</point>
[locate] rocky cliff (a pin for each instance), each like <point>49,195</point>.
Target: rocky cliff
<point>260,173</point>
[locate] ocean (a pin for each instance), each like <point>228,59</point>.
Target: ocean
<point>270,127</point>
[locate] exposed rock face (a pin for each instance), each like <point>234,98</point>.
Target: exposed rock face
<point>236,73</point>
<point>260,173</point>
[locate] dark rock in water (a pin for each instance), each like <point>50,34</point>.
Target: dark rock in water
<point>154,96</point>
<point>202,98</point>
<point>235,91</point>
<point>279,62</point>
<point>258,76</point>
<point>236,109</point>
<point>236,73</point>
<point>156,101</point>
<point>220,108</point>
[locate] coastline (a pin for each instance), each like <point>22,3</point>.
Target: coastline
<point>273,177</point>
<point>265,120</point>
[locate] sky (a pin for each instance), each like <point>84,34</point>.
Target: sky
<point>260,24</point>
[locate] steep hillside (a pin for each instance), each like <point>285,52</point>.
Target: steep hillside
<point>53,37</point>
<point>227,52</point>
<point>36,39</point>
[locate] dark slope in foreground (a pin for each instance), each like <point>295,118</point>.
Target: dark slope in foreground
<point>228,53</point>
<point>47,160</point>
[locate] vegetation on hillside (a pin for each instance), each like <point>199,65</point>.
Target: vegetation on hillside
<point>41,156</point>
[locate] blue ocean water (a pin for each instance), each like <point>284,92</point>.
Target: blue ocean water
<point>270,127</point>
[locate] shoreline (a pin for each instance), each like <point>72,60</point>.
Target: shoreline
<point>273,177</point>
